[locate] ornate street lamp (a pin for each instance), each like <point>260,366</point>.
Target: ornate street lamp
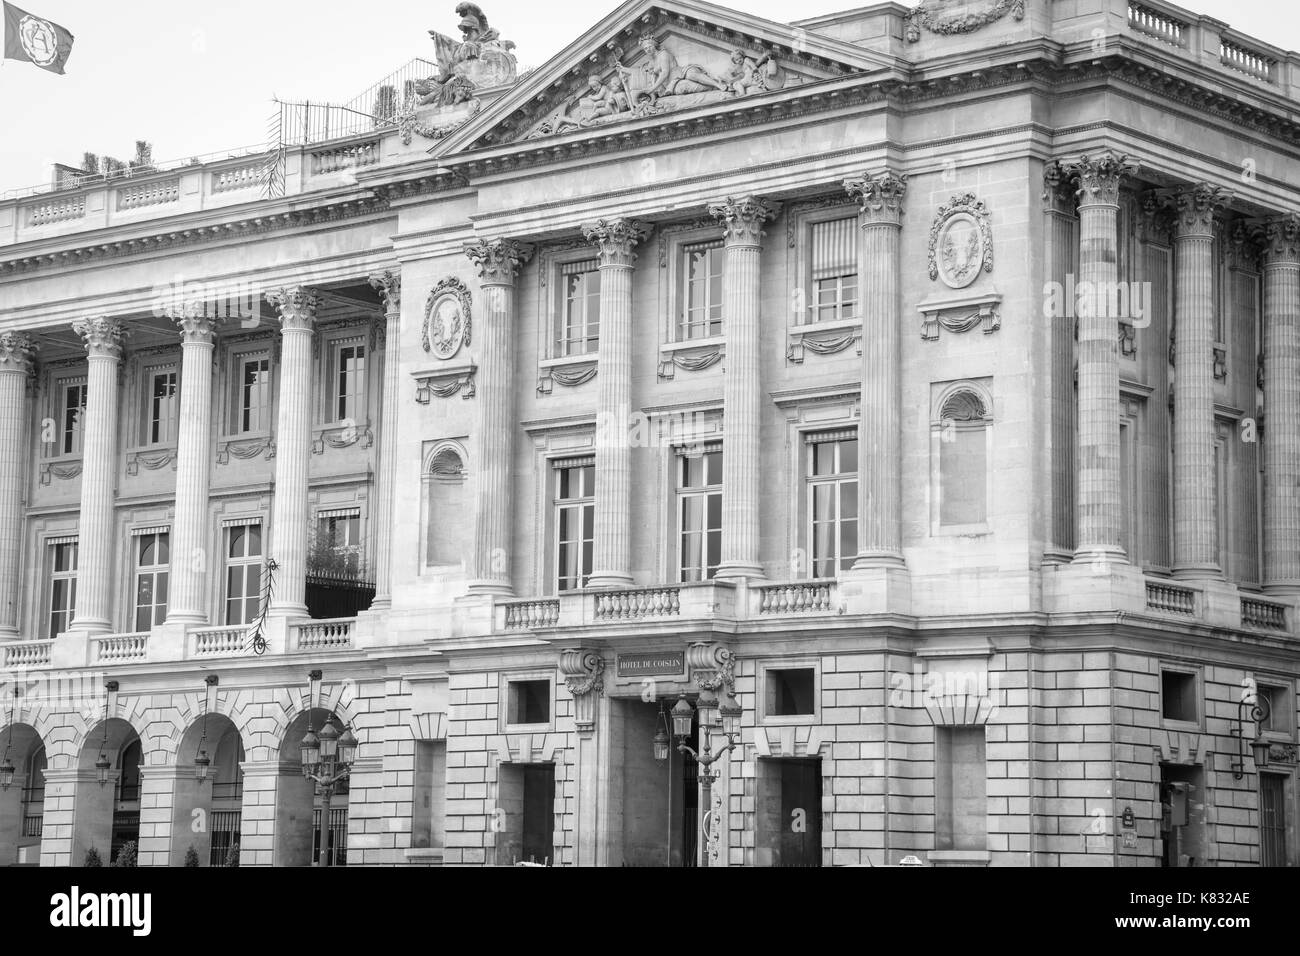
<point>103,764</point>
<point>1259,713</point>
<point>6,765</point>
<point>730,712</point>
<point>201,760</point>
<point>661,741</point>
<point>327,758</point>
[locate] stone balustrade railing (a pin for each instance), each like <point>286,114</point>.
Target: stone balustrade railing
<point>1170,598</point>
<point>149,194</point>
<point>26,654</point>
<point>1245,59</point>
<point>56,210</point>
<point>635,604</point>
<point>229,641</point>
<point>1158,24</point>
<point>239,177</point>
<point>322,635</point>
<point>798,597</point>
<point>348,156</point>
<point>526,615</point>
<point>119,648</point>
<point>1263,615</point>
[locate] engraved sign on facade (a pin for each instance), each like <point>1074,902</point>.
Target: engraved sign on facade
<point>656,663</point>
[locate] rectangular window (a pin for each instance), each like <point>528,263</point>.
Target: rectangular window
<point>835,270</point>
<point>253,407</point>
<point>575,516</point>
<point>339,535</point>
<point>1272,819</point>
<point>579,332</point>
<point>243,573</point>
<point>63,585</point>
<point>702,265</point>
<point>164,407</point>
<point>1178,696</point>
<point>528,702</point>
<point>1280,719</point>
<point>960,784</point>
<point>72,413</point>
<point>348,401</point>
<point>699,514</point>
<point>152,562</point>
<point>790,692</point>
<point>832,477</point>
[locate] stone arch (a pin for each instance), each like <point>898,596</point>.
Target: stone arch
<point>444,491</point>
<point>22,803</point>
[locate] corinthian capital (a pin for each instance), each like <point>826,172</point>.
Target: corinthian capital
<point>1196,208</point>
<point>17,352</point>
<point>1281,240</point>
<point>1098,177</point>
<point>880,196</point>
<point>296,306</point>
<point>389,286</point>
<point>743,218</point>
<point>196,326</point>
<point>498,260</point>
<point>615,239</point>
<point>102,336</point>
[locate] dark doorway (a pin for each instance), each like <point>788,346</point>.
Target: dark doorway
<point>526,794</point>
<point>1182,819</point>
<point>789,812</point>
<point>1272,820</point>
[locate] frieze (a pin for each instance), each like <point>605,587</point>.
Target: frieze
<point>824,342</point>
<point>689,360</point>
<point>245,449</point>
<point>444,384</point>
<point>569,376</point>
<point>151,460</point>
<point>64,470</point>
<point>961,242</point>
<point>960,314</point>
<point>955,17</point>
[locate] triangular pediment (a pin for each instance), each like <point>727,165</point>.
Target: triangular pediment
<point>653,58</point>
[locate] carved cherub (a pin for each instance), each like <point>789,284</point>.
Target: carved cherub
<point>599,99</point>
<point>748,74</point>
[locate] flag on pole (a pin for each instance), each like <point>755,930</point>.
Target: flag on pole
<point>38,41</point>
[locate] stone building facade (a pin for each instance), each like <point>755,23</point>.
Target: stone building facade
<point>924,381</point>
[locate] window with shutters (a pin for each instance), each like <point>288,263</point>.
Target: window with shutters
<point>833,295</point>
<point>702,276</point>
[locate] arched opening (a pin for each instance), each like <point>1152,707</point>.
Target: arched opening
<point>22,804</point>
<point>448,518</point>
<point>300,804</point>
<point>107,813</point>
<point>207,814</point>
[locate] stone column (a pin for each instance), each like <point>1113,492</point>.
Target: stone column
<point>880,512</point>
<point>94,611</point>
<point>297,309</point>
<point>389,287</point>
<point>612,551</point>
<point>17,354</point>
<point>498,262</point>
<point>743,220</point>
<point>1195,551</point>
<point>1282,405</point>
<point>1098,490</point>
<point>190,563</point>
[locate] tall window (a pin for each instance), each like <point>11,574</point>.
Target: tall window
<point>579,333</point>
<point>835,270</point>
<point>832,477</point>
<point>963,460</point>
<point>63,585</point>
<point>253,408</point>
<point>340,533</point>
<point>699,514</point>
<point>1223,493</point>
<point>72,413</point>
<point>1128,488</point>
<point>349,391</point>
<point>575,513</point>
<point>164,407</point>
<point>702,309</point>
<point>243,573</point>
<point>152,560</point>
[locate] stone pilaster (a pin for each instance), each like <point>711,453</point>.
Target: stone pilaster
<point>297,309</point>
<point>103,339</point>
<point>190,564</point>
<point>880,437</point>
<point>389,286</point>
<point>615,240</point>
<point>1061,235</point>
<point>1195,551</point>
<point>1097,535</point>
<point>743,220</point>
<point>17,356</point>
<point>1282,405</point>
<point>498,262</point>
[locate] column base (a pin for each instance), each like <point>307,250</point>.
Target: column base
<point>607,580</point>
<point>490,588</point>
<point>287,611</point>
<point>876,589</point>
<point>1197,572</point>
<point>381,603</point>
<point>733,571</point>
<point>1281,589</point>
<point>1100,554</point>
<point>1093,585</point>
<point>867,560</point>
<point>196,618</point>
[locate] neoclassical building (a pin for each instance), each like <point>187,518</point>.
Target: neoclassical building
<point>915,392</point>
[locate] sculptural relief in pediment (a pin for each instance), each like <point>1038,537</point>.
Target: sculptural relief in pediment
<point>664,73</point>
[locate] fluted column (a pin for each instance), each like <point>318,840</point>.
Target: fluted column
<point>1195,553</point>
<point>880,437</point>
<point>17,353</point>
<point>743,219</point>
<point>389,287</point>
<point>1098,490</point>
<point>94,610</point>
<point>190,565</point>
<point>297,309</point>
<point>1282,405</point>
<point>612,551</point>
<point>498,262</point>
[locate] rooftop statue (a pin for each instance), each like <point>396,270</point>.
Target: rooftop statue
<point>479,59</point>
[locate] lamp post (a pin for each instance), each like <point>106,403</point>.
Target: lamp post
<point>1259,711</point>
<point>327,758</point>
<point>6,765</point>
<point>103,765</point>
<point>730,712</point>
<point>201,760</point>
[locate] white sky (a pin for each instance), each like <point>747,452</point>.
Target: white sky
<point>197,77</point>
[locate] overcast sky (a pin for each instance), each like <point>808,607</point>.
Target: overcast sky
<point>198,77</point>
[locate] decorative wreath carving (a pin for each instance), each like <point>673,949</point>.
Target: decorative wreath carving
<point>930,16</point>
<point>961,242</point>
<point>448,320</point>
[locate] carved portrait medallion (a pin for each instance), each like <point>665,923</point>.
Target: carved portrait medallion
<point>961,242</point>
<point>447,318</point>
